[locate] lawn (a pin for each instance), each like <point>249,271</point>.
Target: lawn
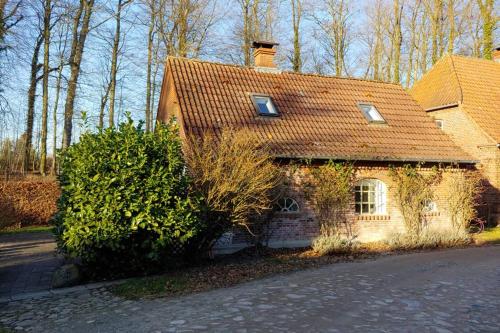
<point>35,228</point>
<point>488,236</point>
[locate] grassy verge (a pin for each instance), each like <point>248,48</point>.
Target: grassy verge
<point>488,236</point>
<point>36,228</point>
<point>225,272</point>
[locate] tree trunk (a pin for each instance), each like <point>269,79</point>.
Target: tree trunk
<point>413,44</point>
<point>296,16</point>
<point>489,22</point>
<point>436,14</point>
<point>45,84</point>
<point>77,47</point>
<point>104,100</point>
<point>150,64</point>
<point>114,65</point>
<point>451,23</point>
<point>54,115</point>
<point>247,42</point>
<point>30,116</point>
<point>398,39</point>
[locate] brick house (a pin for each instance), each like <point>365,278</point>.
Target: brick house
<point>313,117</point>
<point>462,95</point>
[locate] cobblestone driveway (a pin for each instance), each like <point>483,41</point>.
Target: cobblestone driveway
<point>444,291</point>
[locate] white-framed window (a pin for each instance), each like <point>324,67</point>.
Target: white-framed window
<point>264,105</point>
<point>439,123</point>
<point>430,206</point>
<point>287,205</point>
<point>370,197</point>
<point>371,113</point>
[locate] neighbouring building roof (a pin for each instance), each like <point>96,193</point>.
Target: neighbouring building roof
<point>319,116</point>
<point>471,82</point>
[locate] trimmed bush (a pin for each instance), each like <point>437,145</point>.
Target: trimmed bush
<point>27,202</point>
<point>124,204</point>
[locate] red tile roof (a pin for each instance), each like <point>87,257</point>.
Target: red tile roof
<point>319,116</point>
<point>472,82</point>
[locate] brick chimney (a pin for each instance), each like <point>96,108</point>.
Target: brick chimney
<point>496,54</point>
<point>264,53</point>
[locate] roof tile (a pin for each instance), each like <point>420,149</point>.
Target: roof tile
<point>319,116</point>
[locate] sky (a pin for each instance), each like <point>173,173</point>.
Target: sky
<point>221,46</point>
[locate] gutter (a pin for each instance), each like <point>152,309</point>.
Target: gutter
<point>441,107</point>
<point>380,159</point>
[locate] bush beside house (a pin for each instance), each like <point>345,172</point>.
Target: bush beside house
<point>124,205</point>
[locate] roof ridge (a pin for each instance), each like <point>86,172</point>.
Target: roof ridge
<point>283,72</point>
<point>458,79</point>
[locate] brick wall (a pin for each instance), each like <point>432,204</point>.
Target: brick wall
<point>298,229</point>
<point>472,139</point>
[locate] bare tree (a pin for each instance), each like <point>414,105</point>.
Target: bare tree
<point>451,25</point>
<point>30,115</point>
<point>9,17</point>
<point>489,22</point>
<point>334,25</point>
<point>151,4</point>
<point>397,39</point>
<point>81,22</point>
<point>412,29</point>
<point>114,60</point>
<point>296,17</point>
<point>45,83</point>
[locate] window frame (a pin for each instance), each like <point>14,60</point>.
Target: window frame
<point>439,123</point>
<point>281,207</point>
<point>254,96</point>
<point>379,201</point>
<point>367,116</point>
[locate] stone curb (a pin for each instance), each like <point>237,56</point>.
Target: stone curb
<point>59,291</point>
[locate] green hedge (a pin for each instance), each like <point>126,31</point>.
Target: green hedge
<point>124,205</point>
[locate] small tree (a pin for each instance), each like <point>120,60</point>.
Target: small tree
<point>124,204</point>
<point>464,188</point>
<point>413,191</point>
<point>330,189</point>
<point>236,180</point>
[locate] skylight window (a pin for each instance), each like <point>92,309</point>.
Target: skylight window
<point>264,105</point>
<point>371,113</point>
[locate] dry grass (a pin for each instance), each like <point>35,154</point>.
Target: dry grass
<point>428,240</point>
<point>227,272</point>
<point>27,202</point>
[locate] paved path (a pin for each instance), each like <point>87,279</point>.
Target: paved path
<point>27,262</point>
<point>444,291</point>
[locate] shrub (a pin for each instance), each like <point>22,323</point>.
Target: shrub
<point>413,190</point>
<point>464,190</point>
<point>236,179</point>
<point>330,189</point>
<point>27,202</point>
<point>124,204</point>
<point>428,239</point>
<point>333,244</point>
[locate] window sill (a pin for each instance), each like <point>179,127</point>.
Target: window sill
<point>291,215</point>
<point>432,214</point>
<point>372,217</point>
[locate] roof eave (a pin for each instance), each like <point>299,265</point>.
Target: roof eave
<point>442,107</point>
<point>378,159</point>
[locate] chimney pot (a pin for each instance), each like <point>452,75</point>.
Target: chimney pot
<point>496,54</point>
<point>264,52</point>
